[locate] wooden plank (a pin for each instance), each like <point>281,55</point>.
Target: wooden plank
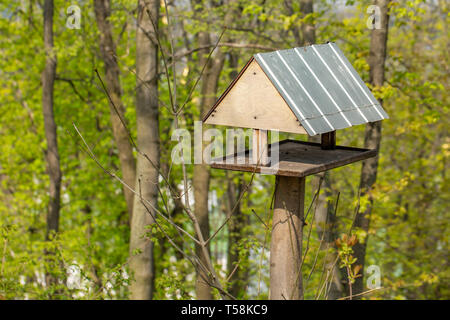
<point>253,102</point>
<point>298,159</point>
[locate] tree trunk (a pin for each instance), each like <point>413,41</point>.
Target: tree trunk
<point>112,73</point>
<point>201,171</point>
<point>378,44</point>
<point>308,29</point>
<point>201,176</point>
<point>286,244</point>
<point>147,121</point>
<point>306,33</point>
<point>51,154</point>
<point>201,187</point>
<point>325,220</point>
<point>238,221</point>
<point>324,214</point>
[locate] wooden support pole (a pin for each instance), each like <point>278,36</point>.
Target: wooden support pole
<point>328,140</point>
<point>286,245</point>
<point>260,152</point>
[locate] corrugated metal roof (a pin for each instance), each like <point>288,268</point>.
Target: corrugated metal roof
<point>321,87</point>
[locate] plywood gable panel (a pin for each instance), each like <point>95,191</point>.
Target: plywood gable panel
<point>253,102</point>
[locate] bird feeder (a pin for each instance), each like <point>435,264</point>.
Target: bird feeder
<point>311,90</point>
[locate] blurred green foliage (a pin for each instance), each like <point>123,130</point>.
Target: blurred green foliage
<point>409,232</point>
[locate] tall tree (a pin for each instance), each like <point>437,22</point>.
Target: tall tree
<point>324,214</point>
<point>306,33</point>
<point>112,72</point>
<point>372,139</point>
<point>325,219</point>
<point>147,173</point>
<point>238,221</point>
<point>209,87</point>
<point>51,154</point>
<point>201,175</point>
<point>308,29</point>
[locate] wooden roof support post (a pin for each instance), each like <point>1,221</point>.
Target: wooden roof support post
<point>328,140</point>
<point>286,245</point>
<point>260,148</point>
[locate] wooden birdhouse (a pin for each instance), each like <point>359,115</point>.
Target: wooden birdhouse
<point>310,90</point>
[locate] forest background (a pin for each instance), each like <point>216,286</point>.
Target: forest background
<point>92,206</point>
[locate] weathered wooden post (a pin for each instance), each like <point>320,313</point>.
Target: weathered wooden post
<point>286,243</point>
<point>310,90</point>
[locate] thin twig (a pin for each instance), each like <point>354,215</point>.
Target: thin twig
<point>259,218</point>
<point>188,98</point>
<point>113,175</point>
<point>362,293</point>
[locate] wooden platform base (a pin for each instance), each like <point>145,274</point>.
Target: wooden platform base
<point>296,159</point>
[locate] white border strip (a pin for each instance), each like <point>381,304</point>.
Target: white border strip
<point>284,91</point>
<point>354,79</point>
<point>340,84</point>
<point>322,86</point>
<point>310,98</point>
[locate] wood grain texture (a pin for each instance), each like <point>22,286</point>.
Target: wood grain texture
<point>253,102</point>
<point>286,242</point>
<point>297,159</point>
<point>260,149</point>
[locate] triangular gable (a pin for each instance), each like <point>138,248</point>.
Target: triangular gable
<point>252,101</point>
